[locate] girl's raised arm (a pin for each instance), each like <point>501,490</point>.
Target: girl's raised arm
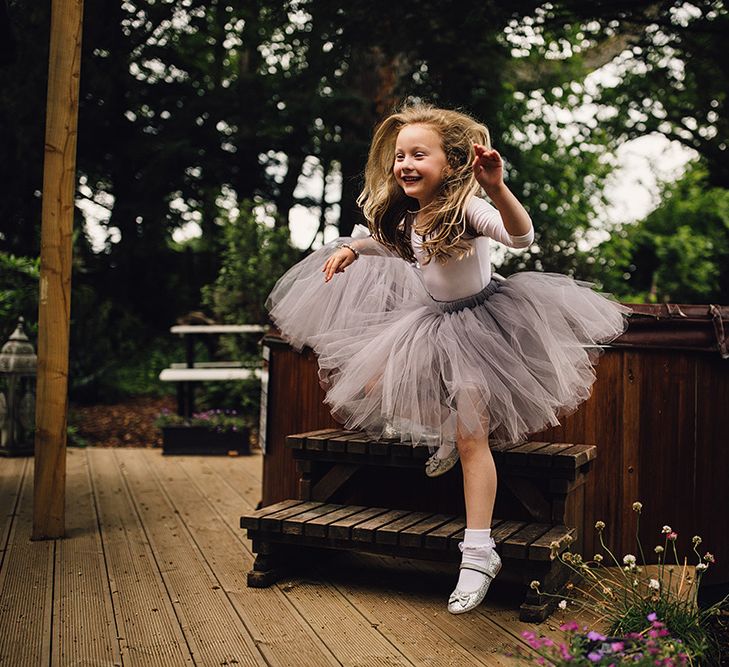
<point>488,168</point>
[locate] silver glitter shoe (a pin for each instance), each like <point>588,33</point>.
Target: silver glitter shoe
<point>389,432</point>
<point>435,466</point>
<point>460,602</point>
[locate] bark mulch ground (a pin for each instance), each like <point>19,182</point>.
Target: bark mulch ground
<point>126,424</point>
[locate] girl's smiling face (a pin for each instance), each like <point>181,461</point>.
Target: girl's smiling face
<point>420,162</point>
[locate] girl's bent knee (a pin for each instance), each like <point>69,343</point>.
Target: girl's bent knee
<point>468,447</point>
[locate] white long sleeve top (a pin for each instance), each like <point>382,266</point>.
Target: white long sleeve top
<point>459,278</point>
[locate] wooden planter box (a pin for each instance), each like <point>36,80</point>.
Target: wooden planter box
<point>200,440</point>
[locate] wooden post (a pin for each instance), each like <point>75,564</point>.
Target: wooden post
<point>54,311</point>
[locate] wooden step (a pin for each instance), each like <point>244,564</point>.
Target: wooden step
<point>400,532</point>
<point>552,459</point>
<point>293,532</point>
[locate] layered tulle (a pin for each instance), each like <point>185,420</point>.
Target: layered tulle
<point>394,361</point>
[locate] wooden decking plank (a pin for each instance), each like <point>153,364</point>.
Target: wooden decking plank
<point>241,473</point>
<point>414,617</point>
<point>414,535</point>
<point>319,442</point>
<point>206,505</point>
<point>505,530</point>
<point>342,528</point>
<point>295,525</point>
<point>212,628</point>
<point>352,637</point>
<point>505,447</point>
<point>26,588</point>
<point>84,628</point>
<point>576,456</point>
<point>275,521</point>
<point>253,519</point>
<point>355,443</point>
<point>365,532</point>
<point>298,440</point>
<point>389,534</point>
<point>12,472</point>
<point>319,526</point>
<point>545,457</point>
<point>149,630</point>
<point>524,450</point>
<point>517,544</point>
<point>540,548</point>
<point>438,537</point>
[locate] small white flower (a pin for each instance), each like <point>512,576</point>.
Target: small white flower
<point>599,525</point>
<point>696,540</point>
<point>534,585</point>
<point>658,549</point>
<point>637,507</point>
<point>597,558</point>
<point>629,560</point>
<point>562,604</point>
<point>701,567</point>
<point>654,584</point>
<point>666,529</point>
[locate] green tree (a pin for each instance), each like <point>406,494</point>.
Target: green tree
<point>254,255</point>
<point>679,252</point>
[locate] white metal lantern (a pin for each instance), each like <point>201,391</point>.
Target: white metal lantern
<point>18,364</point>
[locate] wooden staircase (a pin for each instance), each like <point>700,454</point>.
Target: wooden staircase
<point>541,477</point>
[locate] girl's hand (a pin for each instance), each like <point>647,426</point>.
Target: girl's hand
<point>488,167</point>
<point>337,262</point>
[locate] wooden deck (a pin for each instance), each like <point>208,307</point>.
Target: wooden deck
<point>153,572</point>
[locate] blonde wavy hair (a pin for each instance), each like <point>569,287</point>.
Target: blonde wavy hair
<point>442,223</point>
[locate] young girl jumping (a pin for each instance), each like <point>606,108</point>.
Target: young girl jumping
<point>434,349</point>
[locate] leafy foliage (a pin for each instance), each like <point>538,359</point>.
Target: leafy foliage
<point>679,253</point>
<point>254,255</point>
<point>18,291</point>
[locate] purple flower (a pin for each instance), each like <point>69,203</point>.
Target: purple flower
<point>652,616</point>
<point>570,626</point>
<point>615,647</point>
<point>595,636</point>
<point>594,656</point>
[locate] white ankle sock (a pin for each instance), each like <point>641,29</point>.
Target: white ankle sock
<point>477,546</point>
<point>444,450</point>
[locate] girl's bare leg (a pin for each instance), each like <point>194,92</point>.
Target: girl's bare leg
<point>479,481</point>
<point>479,563</point>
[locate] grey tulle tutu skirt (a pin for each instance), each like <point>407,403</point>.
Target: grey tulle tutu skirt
<point>508,361</point>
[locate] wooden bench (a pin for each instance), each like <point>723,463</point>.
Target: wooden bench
<point>539,475</point>
<point>192,372</point>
